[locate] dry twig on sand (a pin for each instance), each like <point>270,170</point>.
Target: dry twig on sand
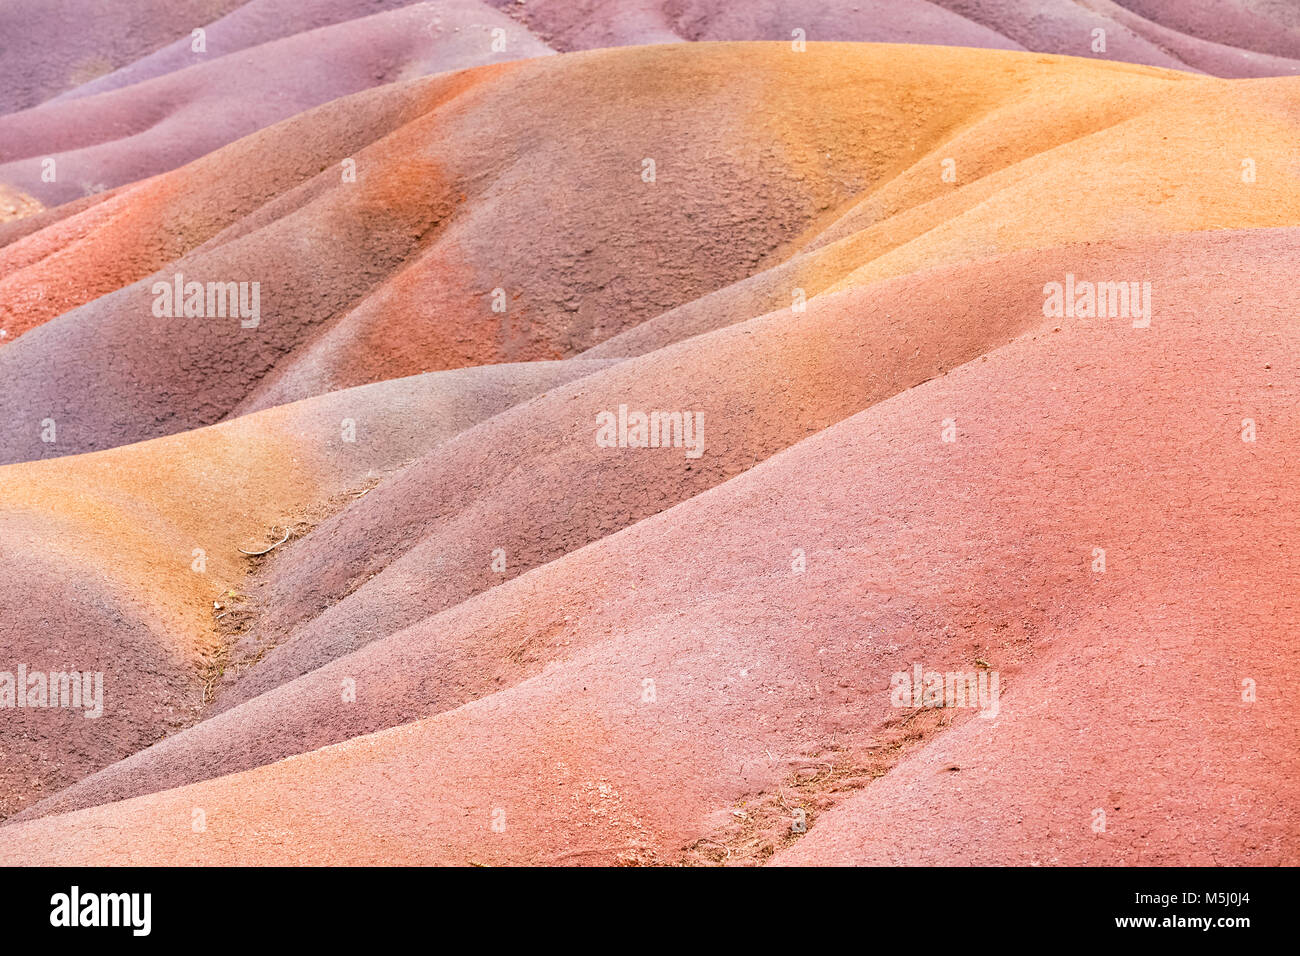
<point>255,554</point>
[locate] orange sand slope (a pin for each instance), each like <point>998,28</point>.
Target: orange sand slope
<point>114,91</point>
<point>771,688</point>
<point>484,637</point>
<point>784,197</point>
<point>151,536</point>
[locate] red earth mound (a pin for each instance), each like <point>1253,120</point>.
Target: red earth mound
<point>148,537</point>
<point>369,578</point>
<point>613,722</point>
<point>574,605</point>
<point>403,271</point>
<point>127,108</point>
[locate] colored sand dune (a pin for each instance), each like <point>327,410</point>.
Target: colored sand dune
<point>499,433</point>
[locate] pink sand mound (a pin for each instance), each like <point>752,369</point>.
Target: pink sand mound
<point>601,717</point>
<point>697,453</point>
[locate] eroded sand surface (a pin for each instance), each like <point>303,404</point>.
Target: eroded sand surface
<point>366,585</point>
